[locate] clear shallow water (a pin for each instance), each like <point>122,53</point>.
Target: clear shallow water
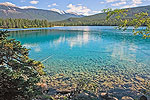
<point>92,50</point>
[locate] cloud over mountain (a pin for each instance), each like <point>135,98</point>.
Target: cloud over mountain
<point>8,4</point>
<point>34,2</point>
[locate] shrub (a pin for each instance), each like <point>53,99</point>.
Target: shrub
<point>18,73</point>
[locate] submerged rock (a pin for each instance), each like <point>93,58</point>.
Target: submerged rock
<point>143,98</point>
<point>127,98</point>
<point>61,74</point>
<point>104,95</point>
<point>139,78</point>
<point>114,98</point>
<point>85,96</point>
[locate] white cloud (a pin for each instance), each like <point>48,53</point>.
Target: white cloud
<point>135,3</point>
<point>13,5</point>
<point>26,7</point>
<point>119,3</point>
<point>34,2</point>
<point>129,6</point>
<point>131,3</point>
<point>109,1</point>
<point>102,2</point>
<point>54,4</point>
<point>79,9</point>
<point>95,12</point>
<point>8,4</point>
<point>49,5</point>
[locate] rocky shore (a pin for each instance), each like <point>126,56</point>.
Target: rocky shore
<point>84,87</point>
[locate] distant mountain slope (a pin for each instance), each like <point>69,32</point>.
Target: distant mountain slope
<point>99,19</point>
<point>31,13</point>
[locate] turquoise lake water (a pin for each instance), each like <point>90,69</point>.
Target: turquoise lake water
<point>88,49</point>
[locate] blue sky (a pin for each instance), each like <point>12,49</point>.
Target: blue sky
<point>85,7</point>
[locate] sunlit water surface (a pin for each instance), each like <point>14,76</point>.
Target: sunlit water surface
<point>93,50</point>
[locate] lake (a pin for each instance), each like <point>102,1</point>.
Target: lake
<point>110,58</point>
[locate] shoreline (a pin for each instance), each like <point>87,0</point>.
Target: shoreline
<point>22,29</point>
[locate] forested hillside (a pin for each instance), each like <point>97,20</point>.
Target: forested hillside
<point>100,19</point>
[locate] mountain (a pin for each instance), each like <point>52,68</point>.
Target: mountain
<point>9,11</point>
<point>63,12</point>
<point>99,19</point>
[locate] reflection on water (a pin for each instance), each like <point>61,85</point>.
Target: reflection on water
<point>78,40</point>
<point>114,58</point>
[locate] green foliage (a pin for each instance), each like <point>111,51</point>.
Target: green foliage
<point>23,23</point>
<point>139,19</point>
<point>18,73</point>
<point>119,13</point>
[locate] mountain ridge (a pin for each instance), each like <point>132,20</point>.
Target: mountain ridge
<point>7,11</point>
<point>99,19</point>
